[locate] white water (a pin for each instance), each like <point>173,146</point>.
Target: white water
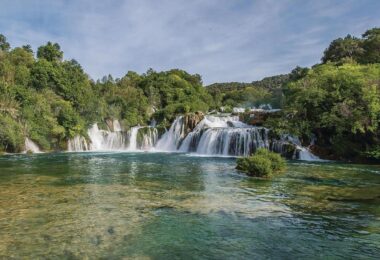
<point>133,138</point>
<point>170,140</point>
<point>103,140</point>
<point>77,144</point>
<point>150,139</point>
<point>117,140</point>
<point>305,155</point>
<point>225,136</point>
<point>116,126</point>
<point>31,146</point>
<point>216,136</point>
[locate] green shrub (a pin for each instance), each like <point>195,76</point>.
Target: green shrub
<point>262,164</point>
<point>277,162</point>
<point>11,135</point>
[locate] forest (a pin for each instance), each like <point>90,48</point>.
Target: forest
<point>335,103</point>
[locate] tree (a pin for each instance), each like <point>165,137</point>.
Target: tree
<point>28,48</point>
<point>340,105</point>
<point>298,73</point>
<point>4,45</point>
<point>339,49</point>
<point>371,46</point>
<point>50,52</point>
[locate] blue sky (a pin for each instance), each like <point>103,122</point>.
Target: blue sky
<point>223,40</point>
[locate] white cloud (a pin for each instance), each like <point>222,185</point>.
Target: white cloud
<point>221,40</point>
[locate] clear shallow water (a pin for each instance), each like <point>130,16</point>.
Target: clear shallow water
<point>168,206</point>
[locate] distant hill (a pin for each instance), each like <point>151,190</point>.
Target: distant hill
<point>270,83</point>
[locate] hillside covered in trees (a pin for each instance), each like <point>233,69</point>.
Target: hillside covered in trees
<point>335,104</point>
<point>49,99</point>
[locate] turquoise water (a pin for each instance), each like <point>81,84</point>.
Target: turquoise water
<point>172,206</point>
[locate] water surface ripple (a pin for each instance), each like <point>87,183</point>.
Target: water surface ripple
<point>172,206</point>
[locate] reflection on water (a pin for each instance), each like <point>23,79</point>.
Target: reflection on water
<point>148,206</point>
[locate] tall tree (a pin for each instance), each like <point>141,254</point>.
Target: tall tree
<point>339,49</point>
<point>50,52</point>
<point>4,45</point>
<point>371,46</point>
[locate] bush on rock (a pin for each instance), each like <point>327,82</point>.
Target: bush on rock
<point>262,164</point>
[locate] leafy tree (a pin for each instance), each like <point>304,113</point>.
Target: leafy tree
<point>44,75</point>
<point>340,105</point>
<point>50,52</point>
<point>298,73</point>
<point>28,48</point>
<point>346,48</point>
<point>4,45</point>
<point>371,46</point>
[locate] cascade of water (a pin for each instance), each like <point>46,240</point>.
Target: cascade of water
<point>137,138</point>
<point>133,138</point>
<point>212,136</point>
<point>31,146</point>
<point>149,139</point>
<point>77,144</point>
<point>234,141</point>
<point>225,136</point>
<point>105,140</point>
<point>172,138</point>
<point>225,121</point>
<point>116,126</point>
<point>305,155</point>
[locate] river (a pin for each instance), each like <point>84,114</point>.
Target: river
<point>173,205</point>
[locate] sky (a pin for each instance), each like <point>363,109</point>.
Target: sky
<point>222,40</point>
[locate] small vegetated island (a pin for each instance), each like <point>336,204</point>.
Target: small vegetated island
<point>263,163</point>
<point>331,109</point>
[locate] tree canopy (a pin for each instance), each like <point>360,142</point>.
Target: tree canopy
<point>50,100</point>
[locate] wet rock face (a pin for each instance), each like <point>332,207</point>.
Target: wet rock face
<point>190,121</point>
<point>109,123</point>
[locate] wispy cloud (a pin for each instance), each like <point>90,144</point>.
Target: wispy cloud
<point>222,40</point>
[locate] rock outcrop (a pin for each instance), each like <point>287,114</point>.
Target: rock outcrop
<point>190,121</point>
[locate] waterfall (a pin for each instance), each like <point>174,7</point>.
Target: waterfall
<point>149,139</point>
<point>225,136</point>
<point>305,155</point>
<point>299,152</point>
<point>133,138</point>
<point>213,135</point>
<point>105,140</point>
<point>137,138</point>
<point>77,144</point>
<point>142,138</point>
<point>116,126</point>
<point>31,146</point>
<point>172,138</point>
<point>228,136</point>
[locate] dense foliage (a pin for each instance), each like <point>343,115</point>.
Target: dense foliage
<point>50,100</point>
<point>262,164</point>
<point>236,94</point>
<point>338,101</point>
<point>365,50</point>
<point>335,103</point>
<point>339,105</point>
